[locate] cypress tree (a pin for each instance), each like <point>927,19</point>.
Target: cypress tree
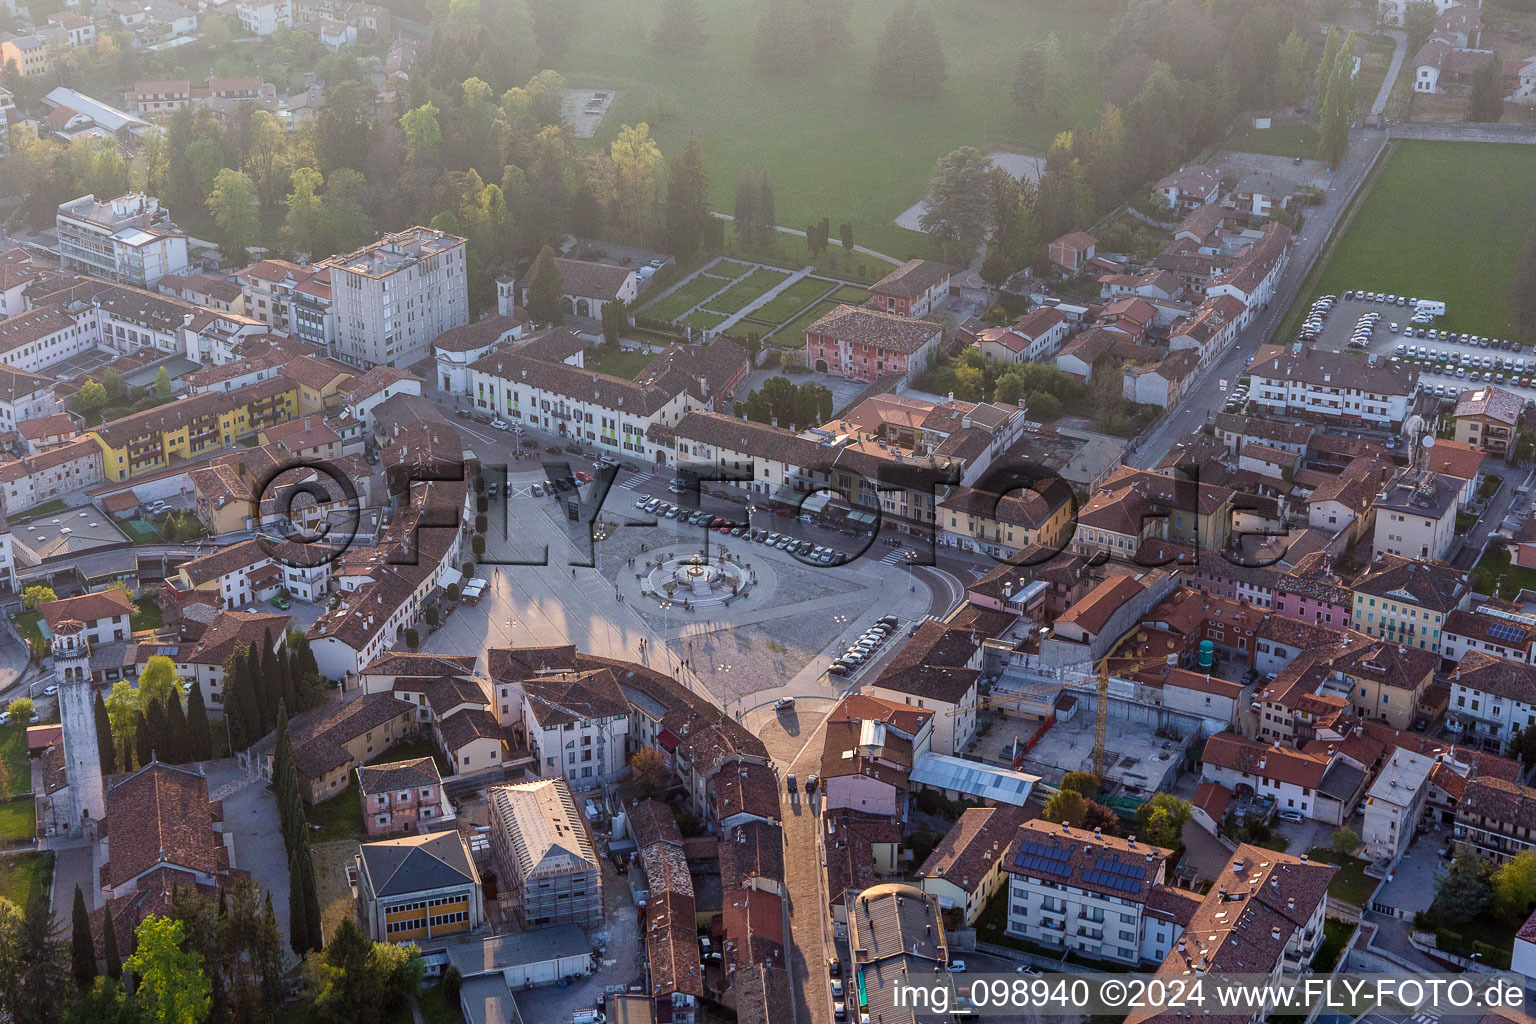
<point>311,900</point>
<point>266,706</point>
<point>269,672</point>
<point>82,946</point>
<point>199,731</point>
<point>177,739</point>
<point>144,743</point>
<point>267,946</point>
<point>159,741</point>
<point>109,944</point>
<point>767,222</point>
<point>285,673</point>
<point>298,908</point>
<point>104,745</point>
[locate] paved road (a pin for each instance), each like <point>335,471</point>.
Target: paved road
<point>1207,397</point>
<point>1401,48</point>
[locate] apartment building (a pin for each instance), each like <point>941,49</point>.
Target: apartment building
<point>46,475</point>
<point>332,741</point>
<point>1491,698</point>
<point>1488,417</point>
<point>129,239</point>
<point>392,297</point>
<point>264,17</point>
<point>1416,515</point>
<point>30,53</point>
<point>1002,525</point>
<point>1082,891</point>
<point>864,344</point>
<point>146,442</point>
<point>1497,816</point>
<point>1032,338</point>
<point>267,288</point>
<point>577,724</point>
<point>1394,805</point>
<point>1408,600</point>
<point>966,868</point>
<point>913,289</point>
<point>1337,387</point>
<point>544,854</point>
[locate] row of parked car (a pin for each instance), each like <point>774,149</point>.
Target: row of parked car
<point>862,649</point>
<point>557,485</point>
<point>1470,340</point>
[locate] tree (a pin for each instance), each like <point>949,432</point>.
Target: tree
<point>545,289</point>
<point>34,972</point>
<point>1336,109</point>
<point>615,319</point>
<point>266,160</point>
<point>650,769</point>
<point>1161,820</point>
<point>1514,887</point>
<point>21,709</point>
<point>1345,842</point>
<point>90,398</point>
<point>639,174</point>
<point>1486,102</point>
<point>82,945</point>
<point>178,745</point>
<point>306,221</point>
<point>959,203</point>
<point>172,986</point>
<point>452,982</point>
<point>158,681</point>
<point>1463,892</point>
<point>113,958</point>
<point>423,135</point>
<point>845,235</point>
<point>1040,85</point>
<point>163,386</point>
<point>687,213</point>
<point>37,595</point>
<point>1291,77</point>
<point>1066,805</point>
<point>909,63</point>
<point>413,638</point>
<point>1419,20</point>
<point>1086,783</point>
<point>105,749</point>
<point>679,30</point>
<point>233,205</point>
<point>1325,65</point>
<point>112,383</point>
<point>199,731</point>
<point>122,706</point>
<point>356,980</point>
<point>767,218</point>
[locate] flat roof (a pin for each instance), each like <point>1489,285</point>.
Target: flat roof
<point>518,949</point>
<point>88,529</point>
<point>488,1000</point>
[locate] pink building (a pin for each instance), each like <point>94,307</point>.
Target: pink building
<point>1312,593</point>
<point>863,344</point>
<point>402,796</point>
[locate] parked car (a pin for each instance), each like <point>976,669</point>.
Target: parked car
<point>783,702</point>
<point>1290,815</point>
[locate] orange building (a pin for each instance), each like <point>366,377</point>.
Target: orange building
<point>419,887</point>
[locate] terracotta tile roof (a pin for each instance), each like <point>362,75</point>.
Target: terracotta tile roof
<point>1235,753</point>
<point>903,717</point>
<point>1212,798</point>
<point>1479,670</point>
<point>590,280</point>
<point>1488,402</point>
<point>47,426</point>
<point>1172,904</point>
<point>104,604</point>
<point>1093,612</point>
<point>978,841</point>
<point>884,331</point>
<point>747,789</point>
<point>314,373</point>
<point>1080,240</point>
<point>235,629</point>
<point>1438,588</point>
<point>652,821</point>
<point>419,772</point>
<point>161,815</point>
<point>912,279</point>
<point>318,734</point>
<point>465,726</point>
<point>750,851</point>
<point>212,566</point>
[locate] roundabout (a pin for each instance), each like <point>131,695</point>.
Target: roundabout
<point>697,579</point>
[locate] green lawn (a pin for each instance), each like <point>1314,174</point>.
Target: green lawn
<point>146,615</point>
<point>1335,937</point>
<point>1282,140</point>
<point>688,295</point>
<point>1351,884</point>
<point>1497,573</point>
<point>340,817</point>
<point>851,294</point>
<point>626,363</point>
<point>702,318</point>
<point>730,268</point>
<point>18,819</point>
<point>791,300</point>
<point>744,293</point>
<point>26,625</point>
<point>792,334</point>
<point>15,772</point>
<point>1461,248</point>
<point>46,508</point>
<point>830,146</point>
<point>25,873</point>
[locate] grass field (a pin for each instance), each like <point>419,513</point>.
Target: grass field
<point>1351,884</point>
<point>18,819</point>
<point>790,301</point>
<point>1461,248</point>
<point>1282,140</point>
<point>744,293</point>
<point>688,295</point>
<point>792,334</point>
<point>729,268</point>
<point>830,146</point>
<point>618,364</point>
<point>1499,577</point>
<point>15,772</point>
<point>851,294</point>
<point>706,320</point>
<point>24,874</point>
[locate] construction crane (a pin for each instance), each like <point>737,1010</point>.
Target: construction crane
<point>1071,680</point>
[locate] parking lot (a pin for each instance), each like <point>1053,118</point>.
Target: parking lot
<point>1447,365</point>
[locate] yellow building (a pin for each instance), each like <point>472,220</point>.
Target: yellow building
<point>155,439</point>
<point>29,53</point>
<point>419,887</point>
<point>1406,600</point>
<point>321,383</point>
<point>1004,525</point>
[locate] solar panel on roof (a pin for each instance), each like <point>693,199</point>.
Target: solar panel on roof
<point>1043,850</point>
<point>1124,869</point>
<point>1504,631</point>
